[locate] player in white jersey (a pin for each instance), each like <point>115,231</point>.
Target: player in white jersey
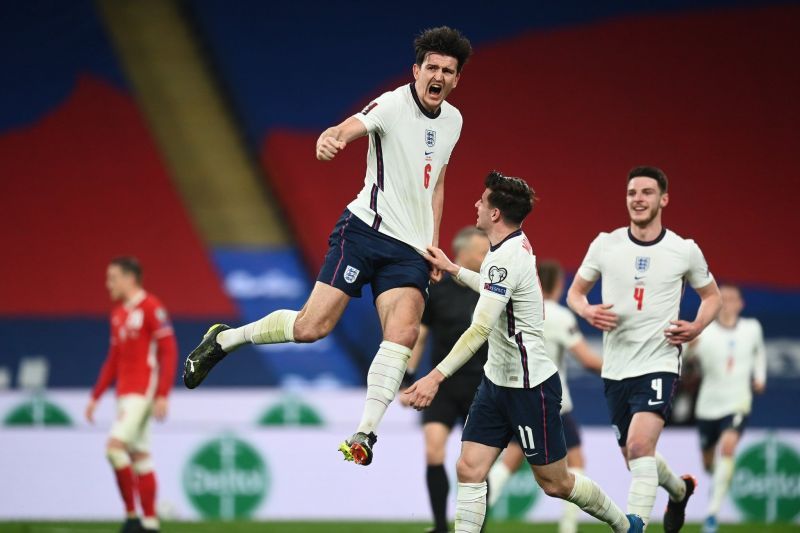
<point>520,394</point>
<point>381,235</point>
<point>644,267</point>
<point>733,363</point>
<point>561,335</point>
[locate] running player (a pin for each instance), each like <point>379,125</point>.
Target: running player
<point>644,267</point>
<point>561,334</point>
<point>520,394</point>
<point>380,236</point>
<point>142,360</point>
<point>447,314</point>
<point>733,363</point>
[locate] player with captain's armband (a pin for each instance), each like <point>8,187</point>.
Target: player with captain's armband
<point>520,394</point>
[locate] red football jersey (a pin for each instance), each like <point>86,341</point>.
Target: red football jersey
<point>143,355</point>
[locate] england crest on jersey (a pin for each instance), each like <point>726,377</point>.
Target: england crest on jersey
<point>430,138</point>
<point>350,274</point>
<point>642,264</point>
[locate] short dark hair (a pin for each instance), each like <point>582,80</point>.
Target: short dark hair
<point>512,196</point>
<point>650,172</point>
<point>443,40</point>
<point>550,272</point>
<point>129,265</point>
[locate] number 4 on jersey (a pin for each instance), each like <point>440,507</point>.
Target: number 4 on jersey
<point>638,295</point>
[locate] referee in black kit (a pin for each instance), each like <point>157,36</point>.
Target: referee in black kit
<point>447,315</point>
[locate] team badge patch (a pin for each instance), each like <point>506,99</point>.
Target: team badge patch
<point>497,274</point>
<point>350,274</point>
<point>430,138</point>
<point>642,264</point>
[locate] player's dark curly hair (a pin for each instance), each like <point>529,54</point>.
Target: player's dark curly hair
<point>129,265</point>
<point>650,172</point>
<point>512,196</point>
<point>443,40</point>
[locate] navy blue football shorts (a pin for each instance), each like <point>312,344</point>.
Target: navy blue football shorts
<point>651,393</point>
<point>358,254</point>
<point>711,430</point>
<point>531,416</point>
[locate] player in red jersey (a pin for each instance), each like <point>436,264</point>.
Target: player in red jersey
<point>141,359</point>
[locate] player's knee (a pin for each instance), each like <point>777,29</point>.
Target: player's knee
<point>434,455</point>
<point>727,448</point>
<point>468,472</point>
<point>405,335</point>
<point>117,456</point>
<point>637,448</point>
<point>142,463</point>
<point>555,488</point>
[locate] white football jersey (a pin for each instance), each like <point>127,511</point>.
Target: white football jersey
<point>644,281</point>
<point>408,146</point>
<point>517,356</point>
<point>561,333</point>
<point>730,358</point>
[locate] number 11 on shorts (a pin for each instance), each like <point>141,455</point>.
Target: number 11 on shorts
<point>522,434</point>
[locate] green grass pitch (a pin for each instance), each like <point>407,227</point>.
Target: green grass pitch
<point>345,527</point>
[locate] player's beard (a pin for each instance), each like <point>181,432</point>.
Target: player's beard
<point>652,214</point>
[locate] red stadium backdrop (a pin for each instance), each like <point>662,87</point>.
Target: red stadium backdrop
<point>572,110</point>
<point>82,185</point>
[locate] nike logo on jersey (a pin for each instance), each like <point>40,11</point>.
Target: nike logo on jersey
<point>530,454</point>
<point>427,153</point>
<point>651,402</point>
<point>637,278</point>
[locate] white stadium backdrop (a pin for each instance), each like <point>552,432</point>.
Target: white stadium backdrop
<point>271,455</point>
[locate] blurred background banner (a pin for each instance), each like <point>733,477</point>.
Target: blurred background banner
<point>267,454</point>
<point>183,132</point>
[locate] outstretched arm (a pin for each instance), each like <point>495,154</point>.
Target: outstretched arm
<point>336,138</point>
<point>487,311</point>
<point>597,315</point>
<point>439,260</point>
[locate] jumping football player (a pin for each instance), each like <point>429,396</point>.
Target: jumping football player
<point>381,235</point>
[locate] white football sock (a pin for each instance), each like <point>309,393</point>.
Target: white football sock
<point>674,485</point>
<point>723,472</point>
<point>498,477</point>
<point>569,515</point>
<point>588,495</point>
<point>385,374</point>
<point>644,485</point>
<point>274,328</point>
<point>470,507</point>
